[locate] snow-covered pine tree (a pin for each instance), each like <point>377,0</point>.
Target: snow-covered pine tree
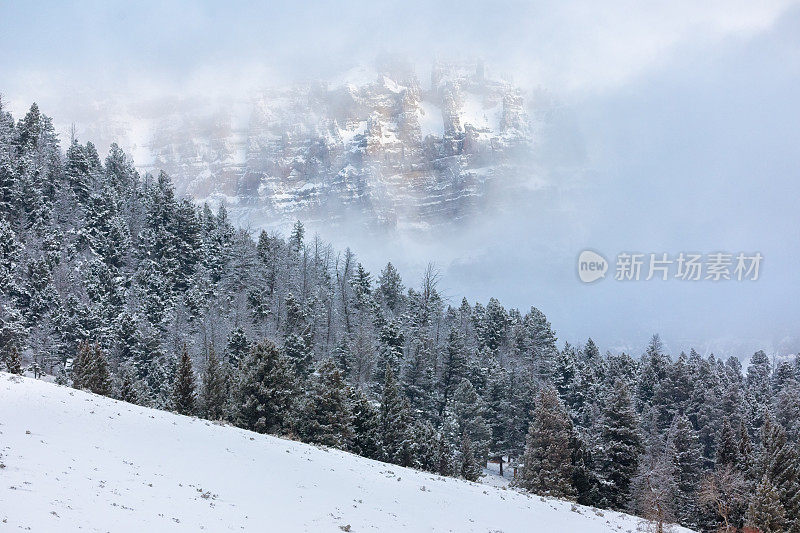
<point>297,343</point>
<point>391,289</point>
<point>758,387</point>
<point>214,388</point>
<point>343,357</point>
<point>540,343</point>
<point>325,417</point>
<point>296,238</point>
<point>12,359</point>
<point>395,422</point>
<point>468,410</point>
<point>365,422</point>
<point>683,450</point>
<point>267,390</point>
<point>777,461</point>
<point>183,389</point>
<point>454,367</point>
<point>621,444</point>
<point>728,448</point>
<point>90,370</point>
<point>471,468</point>
<point>390,352</point>
<point>547,462</point>
<point>766,512</point>
<point>127,387</point>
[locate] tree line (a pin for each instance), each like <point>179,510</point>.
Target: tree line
<point>114,285</point>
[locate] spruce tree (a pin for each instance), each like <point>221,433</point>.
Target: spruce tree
<point>325,418</point>
<point>547,460</point>
<point>470,466</point>
<point>214,388</point>
<point>728,449</point>
<point>390,353</point>
<point>90,370</point>
<point>391,287</point>
<point>468,410</point>
<point>540,342</point>
<point>395,420</point>
<point>127,385</point>
<point>12,359</point>
<point>766,512</point>
<point>365,422</point>
<point>621,444</point>
<point>343,357</point>
<point>455,367</point>
<point>444,453</point>
<point>777,461</point>
<point>237,348</point>
<point>266,391</point>
<point>683,448</point>
<point>183,392</point>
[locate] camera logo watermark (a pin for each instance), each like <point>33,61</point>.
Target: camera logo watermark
<point>684,266</point>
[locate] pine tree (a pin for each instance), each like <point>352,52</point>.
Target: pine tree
<point>444,451</point>
<point>214,388</point>
<point>424,446</point>
<point>391,288</point>
<point>787,409</point>
<point>621,445</point>
<point>296,238</point>
<point>390,353</point>
<point>395,420</point>
<point>365,422</point>
<point>470,467</point>
<point>127,386</point>
<point>547,460</point>
<point>468,410</point>
<point>325,418</point>
<point>237,348</point>
<point>12,359</point>
<point>758,386</point>
<point>343,357</point>
<point>455,367</point>
<point>728,449</point>
<point>766,512</point>
<point>90,370</point>
<point>183,391</point>
<point>297,342</point>
<point>266,391</point>
<point>541,342</point>
<point>684,452</point>
<point>654,369</point>
<point>778,462</point>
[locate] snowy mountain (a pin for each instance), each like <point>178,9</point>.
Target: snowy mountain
<point>73,460</point>
<point>374,143</point>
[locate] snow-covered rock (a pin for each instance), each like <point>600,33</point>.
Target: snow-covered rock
<point>375,142</point>
<point>76,461</point>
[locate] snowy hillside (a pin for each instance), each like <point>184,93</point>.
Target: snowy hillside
<point>74,460</point>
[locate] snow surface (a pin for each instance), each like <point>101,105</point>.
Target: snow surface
<point>76,461</point>
<point>430,119</point>
<point>472,111</point>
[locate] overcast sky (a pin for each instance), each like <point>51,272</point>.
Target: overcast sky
<point>680,120</point>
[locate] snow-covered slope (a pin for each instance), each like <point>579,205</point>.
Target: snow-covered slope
<point>76,461</point>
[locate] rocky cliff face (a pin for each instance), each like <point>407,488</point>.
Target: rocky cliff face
<point>374,143</point>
